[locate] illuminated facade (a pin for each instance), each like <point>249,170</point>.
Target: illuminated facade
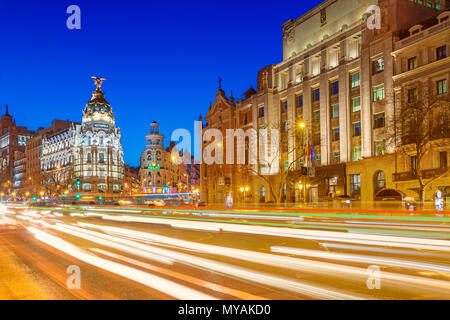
<point>97,149</point>
<point>337,76</point>
<point>158,173</point>
<point>13,140</point>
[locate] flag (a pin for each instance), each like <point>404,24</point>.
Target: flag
<point>313,154</point>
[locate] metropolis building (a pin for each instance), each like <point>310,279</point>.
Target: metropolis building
<point>97,149</point>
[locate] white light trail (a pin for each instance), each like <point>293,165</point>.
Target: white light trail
<point>166,286</point>
<point>360,258</point>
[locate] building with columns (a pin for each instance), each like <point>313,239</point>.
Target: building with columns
<point>97,149</point>
<point>158,173</point>
<point>337,77</point>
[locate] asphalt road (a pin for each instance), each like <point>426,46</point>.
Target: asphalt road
<point>136,253</point>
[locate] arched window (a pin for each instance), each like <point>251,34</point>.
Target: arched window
<point>149,157</point>
<point>379,181</point>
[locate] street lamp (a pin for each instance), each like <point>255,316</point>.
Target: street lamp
<point>302,126</point>
<point>244,190</point>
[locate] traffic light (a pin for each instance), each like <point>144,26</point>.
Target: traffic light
<point>64,195</point>
<point>34,198</point>
<point>78,196</point>
<point>304,171</point>
<point>78,182</point>
<point>100,198</point>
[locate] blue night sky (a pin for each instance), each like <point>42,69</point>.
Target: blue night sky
<point>161,59</point>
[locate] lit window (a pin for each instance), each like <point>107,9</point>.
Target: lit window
<point>378,93</point>
<point>355,80</point>
<point>357,154</point>
<point>335,111</point>
<point>379,148</point>
<point>336,157</point>
<point>412,63</point>
<point>356,104</point>
<point>442,86</point>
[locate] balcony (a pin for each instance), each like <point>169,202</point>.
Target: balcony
<point>410,175</point>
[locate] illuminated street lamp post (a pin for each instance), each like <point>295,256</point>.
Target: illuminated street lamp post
<point>302,127</point>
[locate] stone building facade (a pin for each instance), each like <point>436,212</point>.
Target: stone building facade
<point>97,148</point>
<point>158,173</point>
<point>13,140</point>
<point>337,77</point>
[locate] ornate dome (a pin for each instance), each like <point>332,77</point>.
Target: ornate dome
<point>98,109</point>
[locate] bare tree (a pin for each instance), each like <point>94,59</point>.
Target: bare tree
<point>418,127</point>
<point>56,182</point>
<point>279,168</point>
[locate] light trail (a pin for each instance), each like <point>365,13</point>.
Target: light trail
<point>312,266</point>
<point>226,269</point>
<point>360,258</point>
<point>166,286</point>
<point>196,281</point>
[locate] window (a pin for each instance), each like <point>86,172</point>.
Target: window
<point>316,116</point>
<point>261,112</point>
<point>335,111</point>
<point>300,101</point>
<point>335,87</point>
<point>284,106</point>
<point>89,157</point>
<point>378,120</point>
<point>336,157</point>
<point>412,95</point>
<point>357,129</point>
<point>441,53</point>
<point>286,126</point>
<point>443,159</point>
<point>357,154</point>
<point>355,80</point>
<point>356,104</point>
<point>355,184</point>
<point>413,160</point>
<point>442,86</point>
<point>316,94</point>
<point>101,157</point>
<point>412,63</point>
<point>378,65</point>
<point>335,134</point>
<point>378,93</point>
<point>379,148</point>
<point>298,78</point>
